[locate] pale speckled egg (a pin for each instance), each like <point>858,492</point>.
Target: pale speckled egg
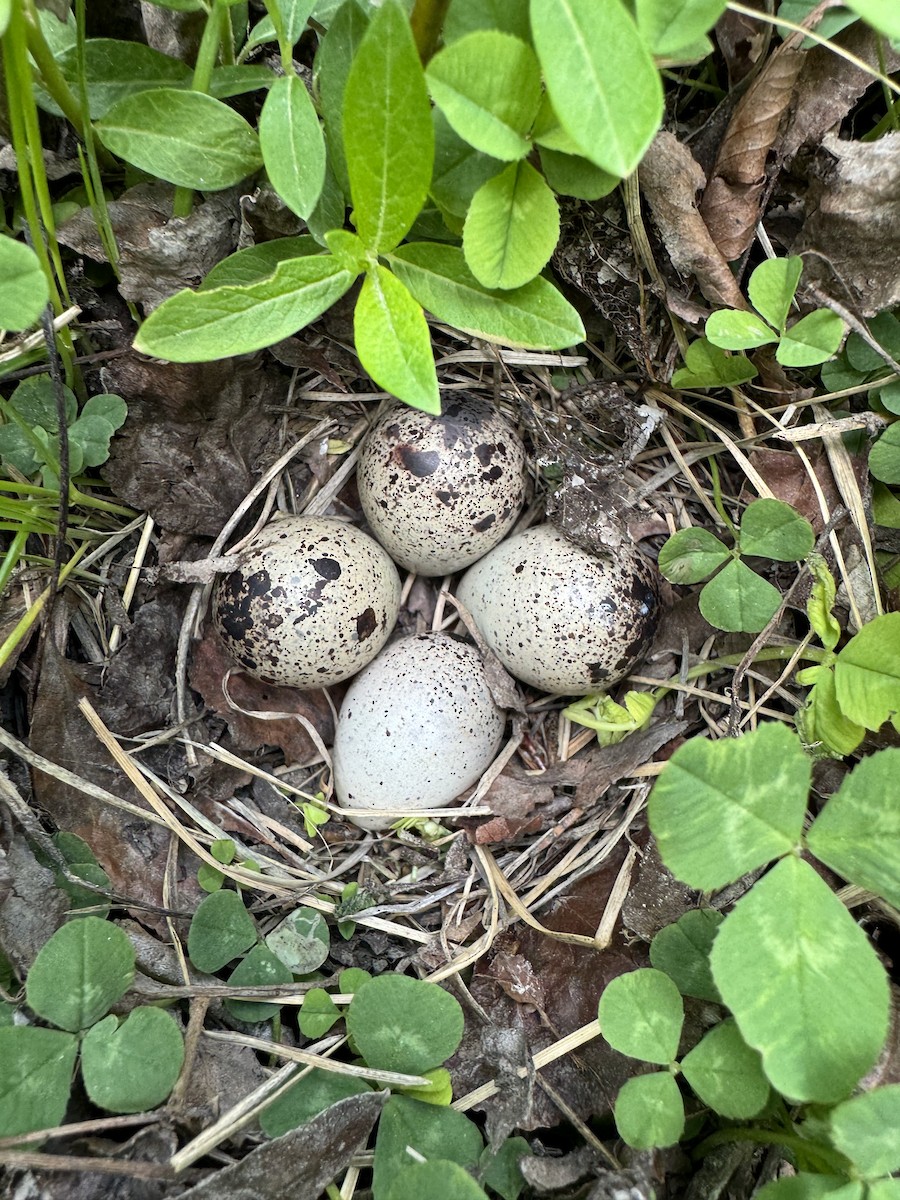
<point>416,728</point>
<point>312,602</point>
<point>559,618</point>
<point>440,491</point>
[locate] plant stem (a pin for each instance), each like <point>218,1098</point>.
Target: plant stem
<point>203,69</point>
<point>825,1160</point>
<point>711,665</point>
<point>51,75</point>
<point>427,21</point>
<point>24,625</point>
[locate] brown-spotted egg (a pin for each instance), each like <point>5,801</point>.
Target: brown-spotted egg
<point>417,727</point>
<point>559,618</point>
<point>440,491</point>
<point>312,602</point>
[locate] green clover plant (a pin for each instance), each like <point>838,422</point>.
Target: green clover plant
<point>804,995</point>
<point>771,288</point>
<point>127,1065</point>
<point>737,598</point>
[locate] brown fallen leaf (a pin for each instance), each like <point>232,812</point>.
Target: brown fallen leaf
<point>851,236</point>
<point>301,1163</point>
<point>731,202</point>
<point>195,438</point>
<point>209,666</point>
<point>159,254</point>
<point>670,180</point>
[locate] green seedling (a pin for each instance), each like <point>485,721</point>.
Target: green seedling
<point>854,689</point>
<point>472,147</point>
<point>771,288</point>
<point>612,722</point>
<point>314,814</point>
<point>29,441</point>
<point>127,1065</point>
<point>223,850</point>
<point>719,811</point>
<point>737,598</point>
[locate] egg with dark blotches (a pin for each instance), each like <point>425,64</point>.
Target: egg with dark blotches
<point>440,491</point>
<point>312,602</point>
<point>559,618</point>
<point>416,728</point>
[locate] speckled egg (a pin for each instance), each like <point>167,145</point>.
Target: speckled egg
<point>439,492</point>
<point>416,728</point>
<point>312,602</point>
<point>559,618</point>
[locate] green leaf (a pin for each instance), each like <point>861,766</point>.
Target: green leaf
<point>885,329</point>
<point>292,145</point>
<point>772,287</point>
<point>884,457</point>
<point>867,674</point>
<point>649,1111</point>
<point>857,834</point>
<point>708,366</point>
<point>301,941</point>
<point>772,529</point>
<point>258,968</point>
<point>670,25</point>
<point>35,1077</point>
<point>721,809</point>
<point>641,1015</point>
<point>260,262</point>
<point>532,317</point>
<point>439,1180</point>
<point>221,929</point>
<point>132,1066</point>
<point>820,605</point>
<point>821,723</point>
<point>726,1074</point>
<point>388,136</point>
<point>804,1186</point>
<point>432,1132</point>
<point>690,555</point>
<point>237,81</point>
<point>402,1024</point>
<point>24,294</point>
<point>866,1130</point>
<point>501,1171</point>
<point>601,79</point>
<point>572,175</point>
<point>220,322</point>
<point>393,341</point>
<point>511,229</point>
<point>739,600</point>
<point>115,69</point>
<point>731,329</point>
<point>347,249</point>
<point>488,85</point>
<point>80,973</point>
<point>682,951</point>
<point>465,16</point>
<point>309,1096</point>
<point>889,397</point>
<point>885,507</point>
<point>318,1014</point>
<point>5,11</point>
<point>294,15</point>
<point>438,1090</point>
<point>108,407</point>
<point>804,984</point>
<point>333,62</point>
<point>812,340</point>
<point>186,138</point>
<point>91,435</point>
<point>880,14</point>
<point>459,169</point>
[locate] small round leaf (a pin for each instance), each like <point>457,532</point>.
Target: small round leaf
<point>649,1111</point>
<point>682,951</point>
<point>132,1066</point>
<point>35,1077</point>
<point>80,973</point>
<point>726,1074</point>
<point>258,968</point>
<point>772,529</point>
<point>641,1015</point>
<point>738,600</point>
<point>221,929</point>
<point>402,1024</point>
<point>437,1179</point>
<point>690,555</point>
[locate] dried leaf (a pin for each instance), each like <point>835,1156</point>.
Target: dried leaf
<point>670,179</point>
<point>853,226</point>
<point>159,254</point>
<point>731,203</point>
<point>209,666</point>
<point>301,1163</point>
